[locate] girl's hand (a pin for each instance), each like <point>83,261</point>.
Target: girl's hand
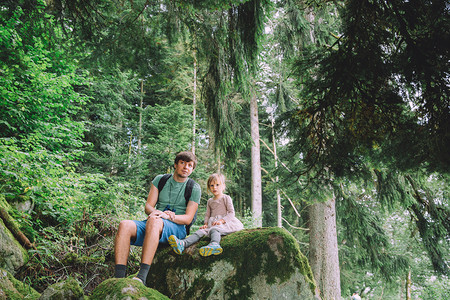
<point>220,222</point>
<point>204,226</point>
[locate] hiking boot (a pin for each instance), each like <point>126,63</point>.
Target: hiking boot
<point>176,244</point>
<point>211,249</point>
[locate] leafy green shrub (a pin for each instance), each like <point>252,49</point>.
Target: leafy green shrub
<point>436,288</point>
<point>75,215</point>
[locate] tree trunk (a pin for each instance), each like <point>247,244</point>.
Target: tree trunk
<point>16,232</point>
<point>194,113</point>
<point>279,216</point>
<point>408,286</point>
<point>256,163</point>
<point>323,250</point>
<point>140,117</point>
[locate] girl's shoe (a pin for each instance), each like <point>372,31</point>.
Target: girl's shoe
<point>211,249</point>
<point>176,244</point>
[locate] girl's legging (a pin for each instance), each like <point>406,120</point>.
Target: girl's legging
<point>195,237</point>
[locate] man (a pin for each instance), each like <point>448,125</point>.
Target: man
<point>355,296</point>
<point>167,215</point>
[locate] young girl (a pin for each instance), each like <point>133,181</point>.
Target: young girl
<point>219,220</point>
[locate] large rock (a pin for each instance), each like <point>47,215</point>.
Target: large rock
<point>11,288</point>
<point>12,254</point>
<point>256,264</point>
<point>68,289</point>
<point>125,288</point>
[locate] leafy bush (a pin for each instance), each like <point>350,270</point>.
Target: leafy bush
<point>74,218</point>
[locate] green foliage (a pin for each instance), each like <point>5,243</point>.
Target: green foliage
<point>384,235</point>
<point>357,108</point>
<point>114,34</point>
<point>38,97</point>
<point>109,116</point>
<point>362,229</point>
<point>228,81</point>
<point>168,130</point>
<point>436,288</point>
<point>248,220</point>
<point>369,89</point>
<point>65,218</point>
<point>59,195</point>
<point>426,199</point>
<point>358,97</point>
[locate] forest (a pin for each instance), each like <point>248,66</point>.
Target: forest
<point>330,119</point>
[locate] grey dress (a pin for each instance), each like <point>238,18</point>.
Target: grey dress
<point>219,209</point>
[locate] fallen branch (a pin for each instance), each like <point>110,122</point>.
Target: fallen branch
<point>12,227</point>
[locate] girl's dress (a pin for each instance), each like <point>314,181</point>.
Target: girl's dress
<point>216,210</point>
<point>219,209</point>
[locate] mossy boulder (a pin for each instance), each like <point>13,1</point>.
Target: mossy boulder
<point>68,289</point>
<point>12,254</point>
<point>255,264</point>
<point>11,288</point>
<point>125,288</point>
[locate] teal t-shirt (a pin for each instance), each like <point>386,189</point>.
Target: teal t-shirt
<point>172,195</point>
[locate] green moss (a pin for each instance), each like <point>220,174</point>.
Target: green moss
<point>73,259</point>
<point>72,285</point>
<point>66,289</point>
<point>125,289</point>
<point>4,204</point>
<point>272,251</point>
<point>201,284</point>
<point>18,245</point>
<point>14,289</point>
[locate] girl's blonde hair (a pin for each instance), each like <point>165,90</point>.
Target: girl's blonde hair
<point>218,177</point>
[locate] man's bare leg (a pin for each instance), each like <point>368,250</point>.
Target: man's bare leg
<point>153,232</point>
<point>127,231</point>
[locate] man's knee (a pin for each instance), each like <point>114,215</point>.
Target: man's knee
<point>154,223</point>
<point>127,227</point>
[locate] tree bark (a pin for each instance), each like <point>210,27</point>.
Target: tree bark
<point>194,104</point>
<point>141,105</point>
<point>16,232</point>
<point>256,163</point>
<point>279,213</point>
<point>323,249</point>
<point>408,286</point>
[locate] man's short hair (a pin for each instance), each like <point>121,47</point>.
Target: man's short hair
<point>187,157</point>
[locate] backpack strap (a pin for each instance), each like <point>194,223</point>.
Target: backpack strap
<point>187,196</point>
<point>162,182</point>
<point>188,190</point>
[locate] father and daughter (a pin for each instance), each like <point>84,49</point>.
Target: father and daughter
<point>219,220</point>
<point>171,206</point>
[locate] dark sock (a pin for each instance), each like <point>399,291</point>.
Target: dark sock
<point>143,272</point>
<point>120,271</point>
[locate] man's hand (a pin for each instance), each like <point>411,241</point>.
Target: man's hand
<point>170,214</point>
<point>159,214</point>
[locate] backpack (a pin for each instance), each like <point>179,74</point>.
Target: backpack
<point>187,194</point>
